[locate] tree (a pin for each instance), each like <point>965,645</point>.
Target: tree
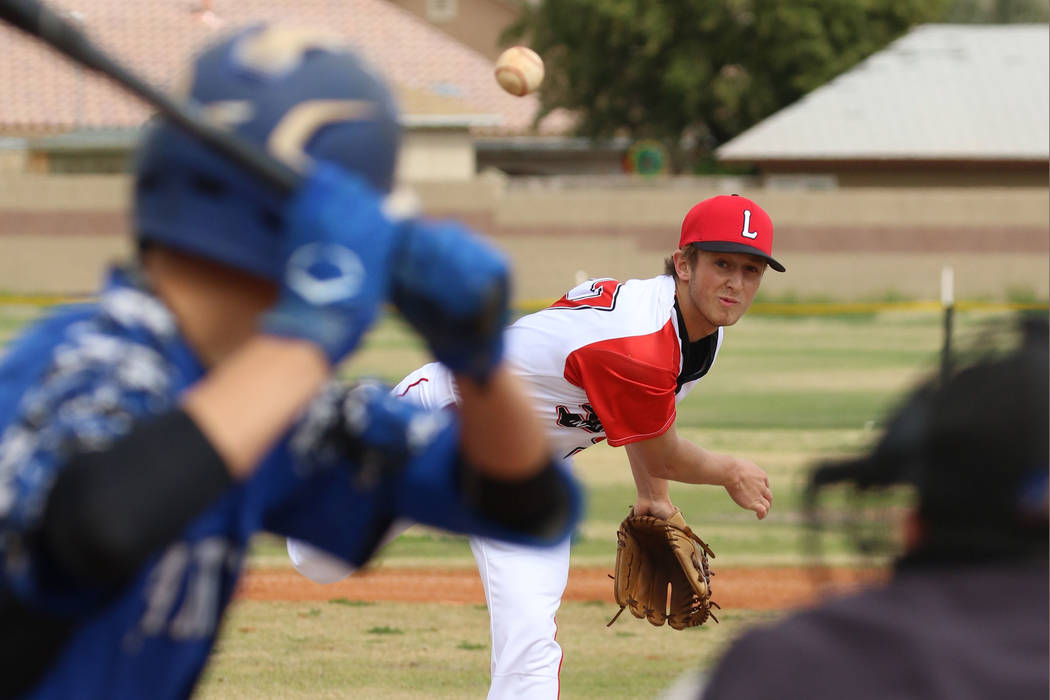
<point>693,73</point>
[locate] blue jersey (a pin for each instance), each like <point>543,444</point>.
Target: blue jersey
<point>83,377</point>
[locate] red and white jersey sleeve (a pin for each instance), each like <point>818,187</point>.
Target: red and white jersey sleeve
<point>603,362</point>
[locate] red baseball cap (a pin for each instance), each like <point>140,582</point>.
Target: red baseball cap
<point>730,223</point>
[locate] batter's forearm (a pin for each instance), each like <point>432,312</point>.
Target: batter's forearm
<point>111,509</point>
<point>500,436</point>
<point>246,403</point>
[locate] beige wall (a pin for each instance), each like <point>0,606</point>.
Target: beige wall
<point>12,160</point>
<point>58,264</point>
<point>842,244</point>
<point>34,192</point>
<point>917,175</point>
<point>56,234</point>
<point>547,267</point>
<point>650,204</point>
<point>436,154</point>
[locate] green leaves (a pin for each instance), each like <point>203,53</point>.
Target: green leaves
<point>694,73</point>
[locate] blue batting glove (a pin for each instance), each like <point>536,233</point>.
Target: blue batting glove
<point>338,250</point>
<point>454,289</point>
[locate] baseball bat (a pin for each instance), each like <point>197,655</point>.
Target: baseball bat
<point>40,21</point>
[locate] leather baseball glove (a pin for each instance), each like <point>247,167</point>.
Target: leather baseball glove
<point>650,554</point>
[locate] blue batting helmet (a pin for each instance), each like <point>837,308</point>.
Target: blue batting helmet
<point>302,96</point>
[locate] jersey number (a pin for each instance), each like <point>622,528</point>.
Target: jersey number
<point>200,568</point>
<point>587,421</point>
<point>594,294</point>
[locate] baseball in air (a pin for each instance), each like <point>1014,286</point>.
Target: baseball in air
<point>519,70</point>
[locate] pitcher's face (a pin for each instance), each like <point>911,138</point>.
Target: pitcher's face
<point>719,288</point>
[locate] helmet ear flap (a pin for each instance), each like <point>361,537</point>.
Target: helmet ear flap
<point>303,97</point>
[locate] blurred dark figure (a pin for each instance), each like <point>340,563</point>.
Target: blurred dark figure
<point>965,613</point>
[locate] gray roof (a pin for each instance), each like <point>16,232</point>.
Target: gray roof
<point>940,92</point>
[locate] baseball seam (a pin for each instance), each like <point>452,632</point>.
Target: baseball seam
<point>522,83</point>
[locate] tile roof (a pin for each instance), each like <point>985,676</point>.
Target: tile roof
<point>433,75</point>
<point>940,92</point>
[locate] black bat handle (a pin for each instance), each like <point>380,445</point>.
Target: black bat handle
<point>42,22</point>
<point>38,20</point>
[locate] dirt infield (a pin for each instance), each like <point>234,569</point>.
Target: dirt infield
<point>742,588</point>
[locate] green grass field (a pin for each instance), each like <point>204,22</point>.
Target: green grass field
<point>786,392</point>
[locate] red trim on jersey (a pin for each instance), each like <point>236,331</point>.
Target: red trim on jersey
<point>630,382</point>
<point>561,660</point>
<point>628,439</point>
<point>415,383</point>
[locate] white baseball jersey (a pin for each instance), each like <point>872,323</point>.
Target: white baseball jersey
<point>609,360</point>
